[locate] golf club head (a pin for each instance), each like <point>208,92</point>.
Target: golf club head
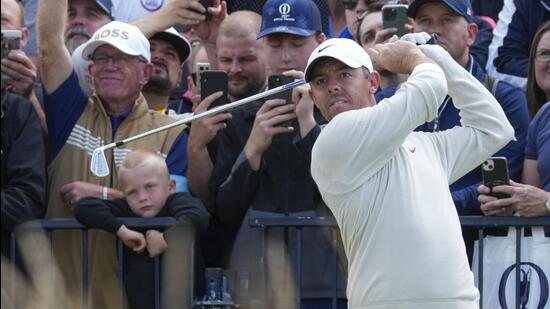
<point>98,165</point>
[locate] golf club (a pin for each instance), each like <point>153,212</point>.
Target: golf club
<point>99,166</point>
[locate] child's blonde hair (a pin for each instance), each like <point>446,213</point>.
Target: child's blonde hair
<point>140,158</point>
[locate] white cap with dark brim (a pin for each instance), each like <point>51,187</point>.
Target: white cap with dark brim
<point>179,42</point>
<point>344,50</point>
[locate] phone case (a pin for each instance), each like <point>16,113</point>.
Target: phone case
<point>495,173</point>
<point>214,81</point>
<point>275,81</point>
<point>395,16</point>
<point>199,68</point>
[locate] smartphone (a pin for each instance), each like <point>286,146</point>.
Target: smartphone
<point>199,68</point>
<point>11,40</point>
<point>395,16</point>
<point>211,82</point>
<point>275,81</point>
<point>495,173</point>
<point>207,4</point>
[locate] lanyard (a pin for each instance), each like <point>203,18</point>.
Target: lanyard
<point>434,124</point>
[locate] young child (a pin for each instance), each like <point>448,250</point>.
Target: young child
<point>149,192</point>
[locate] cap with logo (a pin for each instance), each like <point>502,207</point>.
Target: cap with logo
<point>122,36</point>
<point>180,43</point>
<point>299,17</point>
<point>344,50</point>
<point>461,7</point>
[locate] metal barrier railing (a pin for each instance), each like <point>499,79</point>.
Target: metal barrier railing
<point>50,225</point>
<point>298,223</point>
<point>480,222</point>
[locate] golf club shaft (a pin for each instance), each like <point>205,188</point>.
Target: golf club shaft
<point>209,112</point>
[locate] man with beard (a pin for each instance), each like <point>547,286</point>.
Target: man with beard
<point>169,50</point>
<point>84,18</point>
<point>242,57</point>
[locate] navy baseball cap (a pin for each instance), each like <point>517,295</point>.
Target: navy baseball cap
<point>106,6</point>
<point>299,17</point>
<point>461,7</point>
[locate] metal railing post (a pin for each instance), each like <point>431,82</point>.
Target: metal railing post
<point>480,236</point>
<point>85,269</point>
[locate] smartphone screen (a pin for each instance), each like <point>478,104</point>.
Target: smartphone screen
<point>395,16</point>
<point>495,173</point>
<point>275,81</point>
<point>211,82</point>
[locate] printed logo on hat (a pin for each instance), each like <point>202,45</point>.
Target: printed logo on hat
<point>115,33</point>
<point>151,5</point>
<point>284,10</point>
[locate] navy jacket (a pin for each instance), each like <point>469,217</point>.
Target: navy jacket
<point>23,166</point>
<point>514,104</point>
<point>512,41</point>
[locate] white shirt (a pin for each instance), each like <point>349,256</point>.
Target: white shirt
<point>130,10</point>
<point>388,189</point>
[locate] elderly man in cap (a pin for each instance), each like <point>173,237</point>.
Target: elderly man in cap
<point>120,67</point>
<point>451,20</point>
<point>386,185</point>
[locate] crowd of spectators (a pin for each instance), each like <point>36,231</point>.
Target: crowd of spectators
<point>90,72</point>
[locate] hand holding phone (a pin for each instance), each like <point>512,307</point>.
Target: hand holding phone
<point>395,16</point>
<point>275,81</point>
<point>495,173</point>
<point>207,4</point>
<point>211,82</point>
<point>11,40</point>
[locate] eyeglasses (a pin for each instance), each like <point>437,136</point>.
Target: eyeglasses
<point>102,59</point>
<point>543,55</point>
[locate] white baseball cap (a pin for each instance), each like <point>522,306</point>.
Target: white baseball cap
<point>344,50</point>
<point>122,36</point>
<point>180,43</point>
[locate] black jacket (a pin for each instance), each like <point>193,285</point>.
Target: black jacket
<point>282,185</point>
<point>104,214</point>
<point>139,269</point>
<point>23,166</point>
